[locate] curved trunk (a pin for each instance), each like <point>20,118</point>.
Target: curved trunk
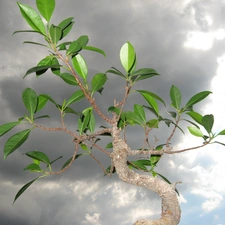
<point>170,205</point>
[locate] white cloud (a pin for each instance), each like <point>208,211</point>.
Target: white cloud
<point>95,219</point>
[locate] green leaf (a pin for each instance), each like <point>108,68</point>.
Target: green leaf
<point>151,101</point>
<point>69,79</point>
<point>41,102</point>
<point>32,18</point>
<point>39,156</point>
<point>15,142</point>
<point>134,117</point>
<point>197,98</point>
<point>74,48</point>
<point>41,117</point>
<point>7,127</point>
<point>195,116</point>
<point>139,110</point>
<point>221,132</point>
<point>56,71</point>
<point>35,43</point>
<point>83,40</point>
<point>26,31</point>
<point>114,109</point>
<point>55,33</point>
<point>48,97</point>
<point>44,62</point>
<point>109,145</point>
<point>195,131</point>
<point>154,159</point>
<point>173,114</point>
<point>80,66</point>
<point>153,123</point>
<point>207,122</point>
<point>152,95</point>
<point>192,123</point>
<point>69,160</point>
<point>33,168</point>
<point>117,72</point>
<point>24,188</point>
<point>98,81</point>
<point>63,45</point>
<point>137,165</point>
<point>94,49</point>
<point>30,101</point>
<point>92,122</point>
<point>40,68</point>
<point>76,96</point>
<point>46,8</point>
<point>84,120</point>
<point>143,73</point>
<point>175,96</point>
<point>66,26</point>
<point>127,56</point>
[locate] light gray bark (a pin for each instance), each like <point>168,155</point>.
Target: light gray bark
<point>170,206</point>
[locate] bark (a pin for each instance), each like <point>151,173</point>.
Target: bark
<point>170,206</point>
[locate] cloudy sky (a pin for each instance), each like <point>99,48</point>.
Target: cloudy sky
<point>184,41</point>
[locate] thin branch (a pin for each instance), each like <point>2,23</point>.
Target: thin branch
<point>88,97</point>
<point>99,163</point>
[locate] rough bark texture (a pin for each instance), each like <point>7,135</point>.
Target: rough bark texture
<point>170,205</point>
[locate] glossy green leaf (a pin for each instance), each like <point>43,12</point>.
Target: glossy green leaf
<point>195,116</point>
<point>56,70</point>
<point>46,8</point>
<point>35,43</point>
<point>69,160</point>
<point>40,68</point>
<point>151,101</point>
<point>152,95</point>
<point>7,127</point>
<point>76,96</point>
<point>134,117</point>
<point>63,45</point>
<point>139,110</point>
<point>55,33</point>
<point>195,131</point>
<point>143,73</point>
<point>26,31</point>
<point>154,159</point>
<point>173,114</point>
<point>197,98</point>
<point>207,122</point>
<point>109,145</point>
<point>98,81</point>
<point>47,61</point>
<point>221,132</point>
<point>115,72</point>
<point>24,188</point>
<point>92,122</point>
<point>153,123</point>
<point>48,97</point>
<point>175,96</point>
<point>84,120</point>
<point>39,156</point>
<point>74,47</point>
<point>66,26</point>
<point>127,56</point>
<point>41,117</point>
<point>69,79</point>
<point>33,168</point>
<point>41,102</point>
<point>30,101</point>
<point>94,49</point>
<point>83,40</point>
<point>137,165</point>
<point>15,142</point>
<point>32,18</point>
<point>80,66</point>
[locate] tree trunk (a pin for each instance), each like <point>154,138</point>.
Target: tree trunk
<point>170,206</point>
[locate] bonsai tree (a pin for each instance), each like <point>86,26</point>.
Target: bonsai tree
<point>65,60</point>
